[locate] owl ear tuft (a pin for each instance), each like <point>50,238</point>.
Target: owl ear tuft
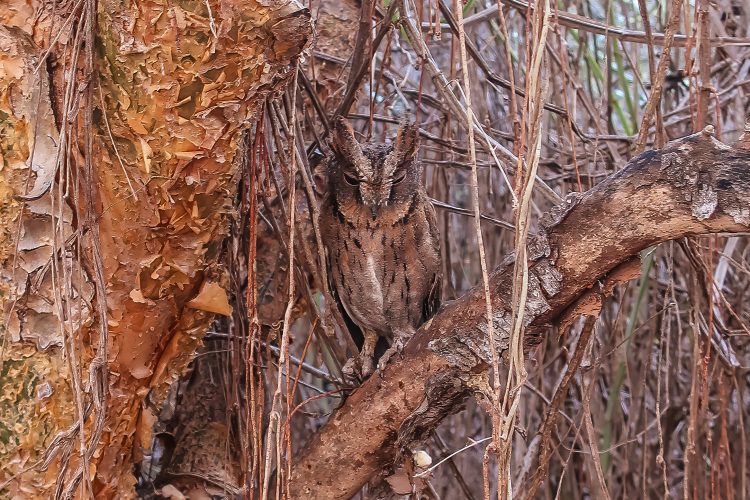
<point>407,141</point>
<point>343,141</point>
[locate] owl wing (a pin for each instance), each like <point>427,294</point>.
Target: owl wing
<point>325,223</point>
<point>326,227</point>
<point>431,303</point>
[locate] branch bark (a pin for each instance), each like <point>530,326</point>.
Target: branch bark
<point>695,185</point>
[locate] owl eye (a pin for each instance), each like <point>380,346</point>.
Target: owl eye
<point>351,180</point>
<point>400,176</point>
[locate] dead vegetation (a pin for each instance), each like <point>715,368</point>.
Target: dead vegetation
<point>614,378</point>
<point>642,392</point>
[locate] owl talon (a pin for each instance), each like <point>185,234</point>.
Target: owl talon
<point>368,366</point>
<point>357,369</point>
<point>396,348</point>
<point>351,372</point>
<point>384,360</point>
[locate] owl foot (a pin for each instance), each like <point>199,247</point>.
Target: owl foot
<point>351,372</point>
<point>357,369</point>
<point>368,366</point>
<point>396,348</point>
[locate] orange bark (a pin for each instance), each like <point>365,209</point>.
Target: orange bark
<point>174,84</point>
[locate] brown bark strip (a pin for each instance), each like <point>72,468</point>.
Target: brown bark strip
<point>695,185</point>
<point>654,98</point>
<point>704,65</point>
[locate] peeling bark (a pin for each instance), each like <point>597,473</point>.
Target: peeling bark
<point>178,81</point>
<point>36,395</point>
<point>210,87</point>
<point>695,185</point>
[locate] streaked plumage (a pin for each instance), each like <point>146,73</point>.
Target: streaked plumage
<point>381,236</point>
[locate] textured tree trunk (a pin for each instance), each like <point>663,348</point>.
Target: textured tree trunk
<point>695,185</point>
<point>175,83</point>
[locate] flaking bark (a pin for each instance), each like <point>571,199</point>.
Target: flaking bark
<point>176,82</point>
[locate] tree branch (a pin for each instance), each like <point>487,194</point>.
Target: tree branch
<point>696,185</point>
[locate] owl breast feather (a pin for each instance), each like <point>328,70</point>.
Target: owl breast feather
<point>383,274</point>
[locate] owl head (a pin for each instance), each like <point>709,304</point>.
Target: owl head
<point>374,176</point>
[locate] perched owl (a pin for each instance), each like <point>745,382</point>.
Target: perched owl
<point>382,239</point>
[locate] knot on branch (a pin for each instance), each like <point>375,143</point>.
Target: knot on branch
<point>539,245</point>
<point>445,394</point>
<point>709,174</point>
<point>465,349</point>
<point>469,348</point>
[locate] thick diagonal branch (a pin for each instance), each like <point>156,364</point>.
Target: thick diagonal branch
<point>695,185</point>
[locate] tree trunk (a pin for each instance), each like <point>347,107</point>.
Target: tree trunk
<point>175,84</point>
<point>695,185</point>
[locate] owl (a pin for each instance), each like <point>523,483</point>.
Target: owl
<point>382,240</point>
